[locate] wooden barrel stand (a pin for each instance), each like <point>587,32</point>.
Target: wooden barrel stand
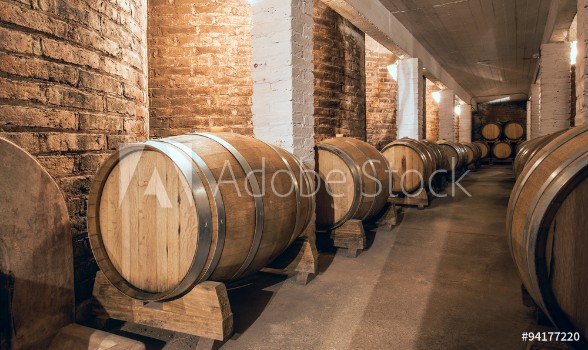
<point>207,233</point>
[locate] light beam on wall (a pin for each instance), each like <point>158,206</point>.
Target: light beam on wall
<point>573,52</point>
<point>457,110</point>
<point>393,71</point>
<point>436,96</point>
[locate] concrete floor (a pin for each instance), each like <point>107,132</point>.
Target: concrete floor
<point>442,279</point>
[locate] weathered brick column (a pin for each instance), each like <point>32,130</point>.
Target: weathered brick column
<point>555,88</point>
<point>283,87</point>
<point>380,94</point>
<point>431,112</point>
<point>447,115</point>
<point>409,115</point>
<point>73,86</point>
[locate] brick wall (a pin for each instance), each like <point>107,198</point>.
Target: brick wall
<point>339,73</point>
<point>381,91</point>
<point>72,87</point>
<point>499,113</point>
<point>199,66</point>
<point>431,112</point>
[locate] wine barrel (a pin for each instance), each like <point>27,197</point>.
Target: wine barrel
<point>455,154</point>
<point>513,131</point>
<point>491,131</point>
<point>502,150</point>
<point>164,215</point>
<point>411,164</point>
<point>353,182</point>
<point>484,148</point>
<point>440,160</point>
<point>529,148</point>
<point>547,232</point>
<point>474,152</point>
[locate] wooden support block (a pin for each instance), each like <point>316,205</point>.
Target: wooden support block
<point>76,337</point>
<point>205,311</point>
<point>350,236</point>
<point>421,200</point>
<point>390,219</point>
<point>299,260</point>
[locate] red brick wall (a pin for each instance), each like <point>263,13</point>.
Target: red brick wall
<point>72,87</point>
<point>381,91</point>
<point>431,112</point>
<point>199,66</point>
<point>339,71</point>
<point>499,113</point>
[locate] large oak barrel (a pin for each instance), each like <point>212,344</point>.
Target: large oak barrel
<point>546,225</point>
<point>473,151</point>
<point>455,154</point>
<point>502,150</point>
<point>491,131</point>
<point>529,148</point>
<point>484,148</point>
<point>513,131</point>
<point>411,164</point>
<point>166,214</point>
<point>353,182</point>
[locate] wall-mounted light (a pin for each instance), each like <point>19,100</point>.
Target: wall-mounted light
<point>573,52</point>
<point>436,96</point>
<point>393,71</point>
<point>457,110</point>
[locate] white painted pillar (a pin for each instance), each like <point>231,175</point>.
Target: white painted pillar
<point>465,124</point>
<point>581,63</point>
<point>535,111</point>
<point>283,83</point>
<point>447,115</point>
<point>528,120</point>
<point>409,114</point>
<point>556,90</point>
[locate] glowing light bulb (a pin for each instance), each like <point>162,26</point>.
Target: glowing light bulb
<point>573,52</point>
<point>393,71</point>
<point>436,96</point>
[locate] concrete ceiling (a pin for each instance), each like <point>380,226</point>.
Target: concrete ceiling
<point>490,47</point>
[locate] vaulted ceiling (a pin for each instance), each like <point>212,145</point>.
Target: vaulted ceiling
<point>489,46</point>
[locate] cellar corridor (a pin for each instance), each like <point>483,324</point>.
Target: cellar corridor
<point>442,279</point>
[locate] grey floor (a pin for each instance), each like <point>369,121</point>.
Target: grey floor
<point>442,279</point>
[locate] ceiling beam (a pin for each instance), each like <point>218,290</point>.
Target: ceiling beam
<point>374,19</point>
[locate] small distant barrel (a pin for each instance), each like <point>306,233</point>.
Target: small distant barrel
<point>474,152</point>
<point>529,148</point>
<point>484,148</point>
<point>440,160</point>
<point>455,155</point>
<point>491,131</point>
<point>353,182</point>
<point>513,131</point>
<point>411,164</point>
<point>502,150</point>
<point>546,230</point>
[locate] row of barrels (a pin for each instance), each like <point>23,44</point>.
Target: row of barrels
<point>546,226</point>
<point>511,131</point>
<point>167,214</point>
<point>368,177</point>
